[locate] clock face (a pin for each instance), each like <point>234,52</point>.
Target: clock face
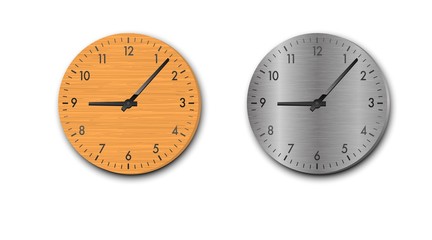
<point>318,103</point>
<point>129,104</point>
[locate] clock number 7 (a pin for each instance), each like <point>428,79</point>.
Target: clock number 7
<point>291,145</point>
<point>102,147</point>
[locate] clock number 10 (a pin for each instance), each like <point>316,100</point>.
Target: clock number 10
<point>273,75</point>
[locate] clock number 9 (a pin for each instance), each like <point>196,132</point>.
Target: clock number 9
<point>262,101</point>
<point>270,130</point>
<point>128,156</point>
<point>74,102</point>
<point>274,75</point>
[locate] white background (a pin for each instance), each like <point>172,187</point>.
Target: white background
<point>224,186</point>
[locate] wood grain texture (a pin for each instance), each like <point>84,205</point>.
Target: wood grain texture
<point>141,139</point>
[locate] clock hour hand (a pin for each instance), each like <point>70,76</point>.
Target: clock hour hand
<point>111,104</point>
<point>128,102</point>
<point>299,104</point>
<point>318,102</point>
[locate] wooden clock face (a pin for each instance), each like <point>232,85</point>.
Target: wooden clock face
<point>129,104</point>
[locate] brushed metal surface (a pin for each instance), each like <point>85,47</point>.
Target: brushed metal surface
<point>326,129</point>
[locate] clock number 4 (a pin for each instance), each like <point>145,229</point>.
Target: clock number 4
<point>364,132</point>
<point>175,131</point>
<point>128,50</point>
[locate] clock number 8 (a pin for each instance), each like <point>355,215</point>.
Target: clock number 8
<point>270,130</point>
<point>81,130</point>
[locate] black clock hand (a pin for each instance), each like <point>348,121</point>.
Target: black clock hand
<point>128,103</point>
<point>300,104</point>
<point>318,102</point>
<point>118,104</point>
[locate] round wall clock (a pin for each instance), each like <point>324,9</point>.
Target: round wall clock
<point>129,104</point>
<point>318,104</point>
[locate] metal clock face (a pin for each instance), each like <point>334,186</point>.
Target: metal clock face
<point>318,103</point>
<point>129,104</point>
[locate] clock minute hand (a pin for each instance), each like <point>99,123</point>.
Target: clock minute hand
<point>318,102</point>
<point>128,103</point>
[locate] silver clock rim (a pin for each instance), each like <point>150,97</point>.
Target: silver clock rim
<point>385,122</point>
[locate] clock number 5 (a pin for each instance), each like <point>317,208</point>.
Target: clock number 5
<point>156,148</point>
<point>344,148</point>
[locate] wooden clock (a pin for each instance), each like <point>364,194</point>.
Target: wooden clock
<point>129,104</point>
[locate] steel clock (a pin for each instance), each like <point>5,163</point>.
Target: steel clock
<point>318,103</point>
<point>129,103</point>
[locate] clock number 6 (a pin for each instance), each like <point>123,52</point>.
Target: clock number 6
<point>317,156</point>
<point>128,156</point>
